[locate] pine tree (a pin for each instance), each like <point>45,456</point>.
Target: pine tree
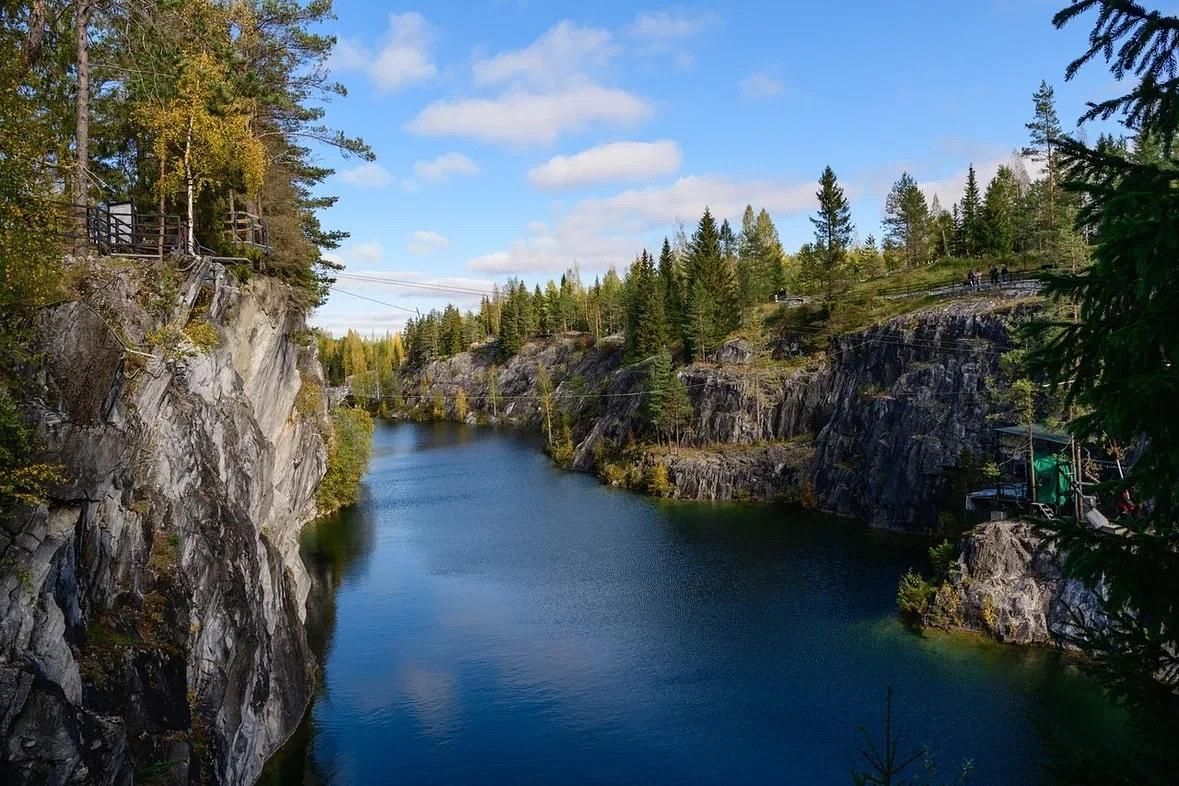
<point>906,219</point>
<point>1118,361</point>
<point>833,232</point>
<point>1045,132</point>
<point>970,217</point>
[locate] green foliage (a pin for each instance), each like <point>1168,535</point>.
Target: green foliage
<point>906,218</point>
<point>656,481</point>
<point>944,559</point>
<point>646,321</point>
<point>833,234</point>
<point>999,229</point>
<point>914,595</point>
<point>349,447</point>
<point>1117,361</point>
<point>309,399</point>
<point>202,335</point>
<point>563,448</point>
<point>710,280</point>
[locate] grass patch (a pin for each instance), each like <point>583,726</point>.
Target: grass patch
<point>202,335</point>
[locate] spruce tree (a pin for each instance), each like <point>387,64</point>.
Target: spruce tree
<point>833,232</point>
<point>771,257</point>
<point>1120,361</point>
<point>998,219</point>
<point>646,326</point>
<point>659,375</point>
<point>671,284</point>
<point>705,280</point>
<point>970,217</point>
<point>748,259</point>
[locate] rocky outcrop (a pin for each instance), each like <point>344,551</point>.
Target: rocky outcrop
<point>1011,585</point>
<point>759,472</point>
<point>152,608</point>
<point>890,411</point>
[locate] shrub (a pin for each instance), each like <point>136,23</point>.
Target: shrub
<point>944,559</point>
<point>202,335</point>
<point>438,407</point>
<point>657,482</point>
<point>990,616</point>
<point>349,447</point>
<point>914,594</point>
<point>946,611</point>
<point>615,474</point>
<point>309,399</point>
<point>461,407</point>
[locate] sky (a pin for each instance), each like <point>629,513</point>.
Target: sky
<point>523,137</point>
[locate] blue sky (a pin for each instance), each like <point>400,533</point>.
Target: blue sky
<point>519,137</point>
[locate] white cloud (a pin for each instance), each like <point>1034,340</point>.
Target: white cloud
<point>370,251</point>
<point>527,117</point>
<point>949,190</point>
<point>761,84</point>
<point>423,243</point>
<point>444,166</point>
<point>606,163</point>
<point>600,231</point>
<point>403,59</point>
<point>564,52</point>
<point>367,175</point>
<point>660,28</point>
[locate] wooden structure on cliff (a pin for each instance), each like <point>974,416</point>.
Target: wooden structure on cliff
<point>118,228</point>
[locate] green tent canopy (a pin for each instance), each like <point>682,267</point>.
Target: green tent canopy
<point>1052,480</point>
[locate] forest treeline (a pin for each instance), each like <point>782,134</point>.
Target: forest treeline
<point>701,286</point>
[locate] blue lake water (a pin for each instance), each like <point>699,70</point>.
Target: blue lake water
<point>496,620</point>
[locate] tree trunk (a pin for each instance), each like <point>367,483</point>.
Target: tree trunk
<point>82,104</point>
<point>31,47</point>
<point>190,239</point>
<point>161,205</point>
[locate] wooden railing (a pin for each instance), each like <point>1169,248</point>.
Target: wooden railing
<point>120,229</point>
<point>248,230</point>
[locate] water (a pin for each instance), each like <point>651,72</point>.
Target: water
<point>497,620</point>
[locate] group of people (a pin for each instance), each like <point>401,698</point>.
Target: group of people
<point>998,276</point>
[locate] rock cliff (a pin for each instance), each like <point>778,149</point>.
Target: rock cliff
<point>1011,585</point>
<point>888,412</point>
<point>152,609</point>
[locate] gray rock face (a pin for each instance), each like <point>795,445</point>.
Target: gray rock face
<point>152,610</point>
<point>1012,586</point>
<point>889,411</point>
<point>762,472</point>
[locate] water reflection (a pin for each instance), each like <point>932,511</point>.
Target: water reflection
<point>484,618</point>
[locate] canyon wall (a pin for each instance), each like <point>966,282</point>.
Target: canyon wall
<point>152,607</point>
<point>874,427</point>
